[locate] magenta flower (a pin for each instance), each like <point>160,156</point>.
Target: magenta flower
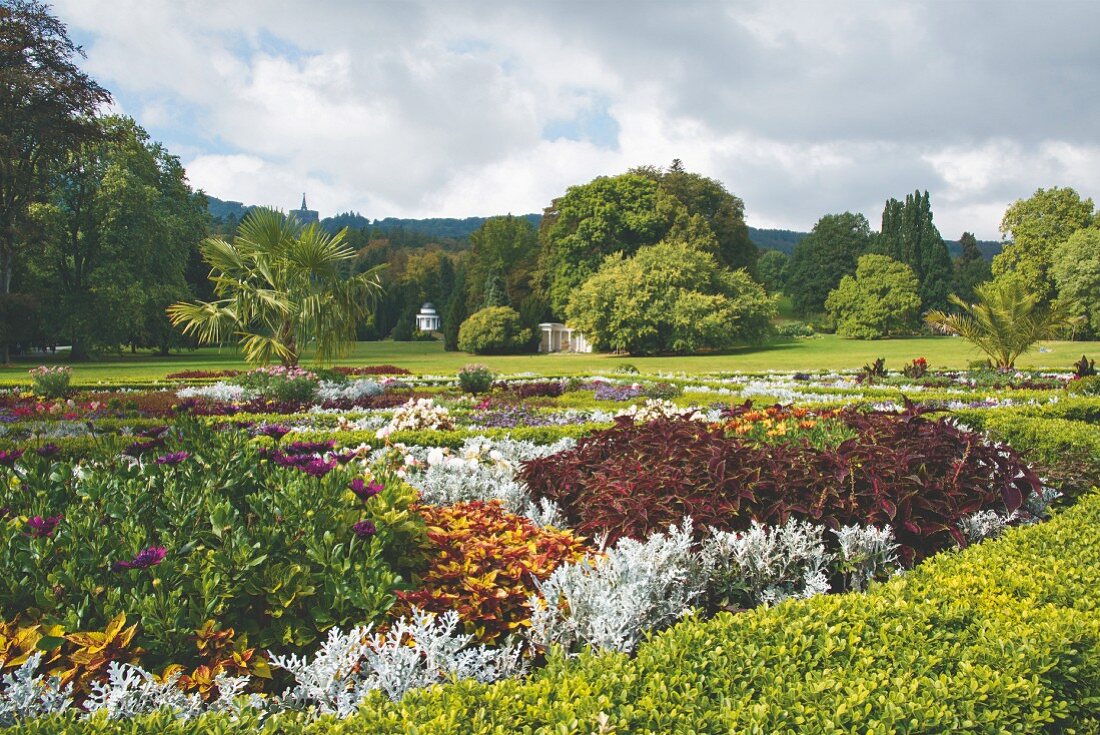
<point>48,450</point>
<point>149,557</point>
<point>173,459</point>
<point>138,448</point>
<point>364,529</point>
<point>40,527</point>
<point>309,447</point>
<point>363,491</point>
<point>8,457</point>
<point>317,467</point>
<point>275,431</point>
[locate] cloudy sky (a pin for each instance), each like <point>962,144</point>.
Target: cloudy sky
<point>452,109</point>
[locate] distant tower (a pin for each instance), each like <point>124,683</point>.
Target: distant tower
<point>305,215</point>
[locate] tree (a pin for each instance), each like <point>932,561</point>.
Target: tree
<point>669,297</point>
<point>607,215</point>
<point>455,313</point>
<point>1036,227</point>
<point>46,104</point>
<point>881,300</point>
<point>492,331</point>
<point>1006,321</point>
<point>709,200</point>
<point>116,233</point>
<point>823,257</point>
<point>971,268</point>
<point>281,287</point>
<point>1076,272</point>
<point>772,267</point>
<point>909,236</point>
<point>503,252</point>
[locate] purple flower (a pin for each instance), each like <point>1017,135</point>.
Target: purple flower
<point>365,491</point>
<point>138,448</point>
<point>317,467</point>
<point>40,527</point>
<point>48,450</point>
<point>149,557</point>
<point>173,459</point>
<point>275,431</point>
<point>153,432</point>
<point>309,447</point>
<point>8,457</point>
<point>364,529</point>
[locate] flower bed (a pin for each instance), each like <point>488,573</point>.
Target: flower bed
<point>177,563</point>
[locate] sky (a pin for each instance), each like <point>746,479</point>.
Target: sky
<point>456,108</point>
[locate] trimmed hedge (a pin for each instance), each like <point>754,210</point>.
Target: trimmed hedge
<point>452,439</point>
<point>1069,451</point>
<point>1003,637</point>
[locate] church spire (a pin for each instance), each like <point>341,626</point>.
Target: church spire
<point>304,207</point>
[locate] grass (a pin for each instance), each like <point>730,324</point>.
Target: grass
<point>825,352</point>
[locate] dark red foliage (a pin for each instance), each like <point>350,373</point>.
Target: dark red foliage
<point>538,389</point>
<point>919,477</point>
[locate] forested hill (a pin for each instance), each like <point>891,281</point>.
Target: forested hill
<point>459,229</point>
<point>785,240</point>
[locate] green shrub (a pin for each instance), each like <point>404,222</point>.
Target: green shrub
<point>475,379</point>
<point>51,382</point>
<point>1003,637</point>
<point>493,331</point>
<point>1087,386</point>
<point>267,550</point>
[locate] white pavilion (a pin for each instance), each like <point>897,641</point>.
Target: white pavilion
<point>556,337</point>
<point>428,320</point>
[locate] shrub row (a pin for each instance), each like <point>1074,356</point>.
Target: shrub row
<point>1003,637</point>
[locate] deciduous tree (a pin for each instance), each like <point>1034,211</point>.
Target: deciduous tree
<point>669,297</point>
<point>1036,227</point>
<point>880,300</point>
<point>823,257</point>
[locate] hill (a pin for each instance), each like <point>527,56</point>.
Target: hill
<point>460,229</point>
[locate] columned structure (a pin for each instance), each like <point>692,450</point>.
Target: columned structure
<point>428,320</point>
<point>556,337</point>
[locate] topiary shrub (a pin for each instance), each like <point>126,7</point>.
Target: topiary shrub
<point>493,331</point>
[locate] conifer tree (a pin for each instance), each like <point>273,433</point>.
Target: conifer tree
<point>909,236</point>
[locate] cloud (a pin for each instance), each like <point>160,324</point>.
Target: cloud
<point>480,107</point>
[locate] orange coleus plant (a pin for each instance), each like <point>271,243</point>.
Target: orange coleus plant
<point>219,653</point>
<point>484,561</point>
<point>94,650</point>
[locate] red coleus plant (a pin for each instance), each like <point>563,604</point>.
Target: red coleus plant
<point>484,561</point>
<point>918,476</point>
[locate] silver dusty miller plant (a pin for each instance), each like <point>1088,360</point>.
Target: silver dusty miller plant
<point>986,524</point>
<point>866,553</point>
<point>610,601</point>
<point>418,651</point>
<point>766,565</point>
<point>25,695</point>
<point>484,469</point>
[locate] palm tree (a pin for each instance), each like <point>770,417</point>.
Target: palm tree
<point>1005,323</point>
<point>280,287</point>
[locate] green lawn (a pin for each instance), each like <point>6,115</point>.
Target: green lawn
<point>819,353</point>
